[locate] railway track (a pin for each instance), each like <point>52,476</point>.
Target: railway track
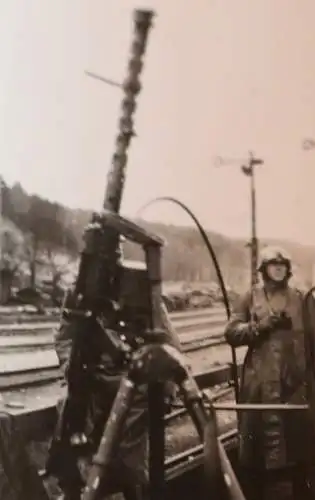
<point>28,357</point>
<point>30,376</point>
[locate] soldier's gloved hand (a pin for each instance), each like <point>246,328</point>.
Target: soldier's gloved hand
<point>267,324</point>
<point>257,329</point>
<point>247,330</point>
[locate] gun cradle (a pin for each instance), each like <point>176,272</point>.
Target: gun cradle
<point>130,230</point>
<point>134,287</point>
<point>102,273</point>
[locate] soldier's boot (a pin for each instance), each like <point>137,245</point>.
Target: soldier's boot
<point>136,492</point>
<point>304,485</point>
<point>252,481</point>
<point>279,490</point>
<point>70,496</point>
<point>71,486</point>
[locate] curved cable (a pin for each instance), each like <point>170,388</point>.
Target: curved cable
<point>217,269</point>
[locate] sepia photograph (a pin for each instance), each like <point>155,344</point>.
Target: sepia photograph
<point>157,250</point>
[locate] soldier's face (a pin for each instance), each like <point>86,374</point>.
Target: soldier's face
<point>277,271</point>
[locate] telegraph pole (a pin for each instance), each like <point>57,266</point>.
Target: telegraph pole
<point>308,144</point>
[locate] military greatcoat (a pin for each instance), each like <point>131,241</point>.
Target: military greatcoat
<point>274,371</point>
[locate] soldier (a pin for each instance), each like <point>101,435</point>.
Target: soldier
<point>129,473</point>
<point>276,449</point>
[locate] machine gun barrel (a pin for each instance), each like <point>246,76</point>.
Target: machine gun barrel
<point>131,88</point>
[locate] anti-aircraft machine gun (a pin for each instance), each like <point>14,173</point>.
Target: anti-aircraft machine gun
<point>121,300</point>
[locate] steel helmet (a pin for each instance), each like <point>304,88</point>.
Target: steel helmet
<point>274,254</point>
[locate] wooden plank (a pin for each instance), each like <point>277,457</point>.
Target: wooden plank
<point>201,334</point>
<point>207,311</point>
<point>210,320</point>
<point>31,342</point>
<point>215,376</point>
<point>36,414</point>
<point>28,378</point>
<point>24,308</point>
<point>24,361</point>
<point>27,328</point>
<point>34,318</point>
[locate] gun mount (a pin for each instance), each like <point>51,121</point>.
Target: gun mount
<point>108,293</point>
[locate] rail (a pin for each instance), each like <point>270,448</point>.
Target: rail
<point>28,356</point>
<point>30,377</point>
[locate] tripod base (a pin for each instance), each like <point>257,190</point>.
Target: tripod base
<point>155,364</point>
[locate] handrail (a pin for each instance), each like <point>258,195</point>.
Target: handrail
<point>259,407</point>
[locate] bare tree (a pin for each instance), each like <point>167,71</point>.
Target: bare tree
<point>57,265</point>
<point>12,254</point>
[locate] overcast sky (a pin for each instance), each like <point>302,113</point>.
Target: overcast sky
<point>221,77</point>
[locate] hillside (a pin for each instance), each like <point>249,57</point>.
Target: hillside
<point>50,228</point>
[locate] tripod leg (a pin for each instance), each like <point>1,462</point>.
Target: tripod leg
<point>156,442</point>
<point>220,476</point>
<point>110,438</point>
<point>205,424</point>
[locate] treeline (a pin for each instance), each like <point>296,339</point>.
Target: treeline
<point>34,235</point>
<point>38,236</point>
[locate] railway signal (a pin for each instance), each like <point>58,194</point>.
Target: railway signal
<point>308,144</point>
<point>248,169</point>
